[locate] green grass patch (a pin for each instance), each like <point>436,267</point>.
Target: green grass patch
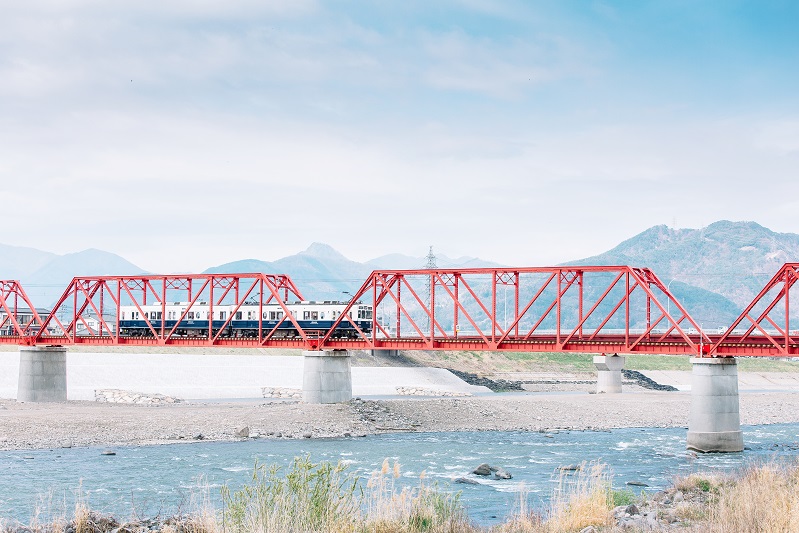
<point>766,364</point>
<point>554,361</point>
<point>623,497</point>
<point>657,362</point>
<point>579,362</point>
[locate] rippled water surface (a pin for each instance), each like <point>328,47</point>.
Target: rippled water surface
<point>152,480</point>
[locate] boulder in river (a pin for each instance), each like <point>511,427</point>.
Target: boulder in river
<point>501,473</point>
<point>465,481</point>
<point>483,470</point>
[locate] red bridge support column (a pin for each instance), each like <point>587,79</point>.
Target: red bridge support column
<point>714,424</point>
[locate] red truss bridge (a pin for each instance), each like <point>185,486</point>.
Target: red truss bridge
<point>592,309</point>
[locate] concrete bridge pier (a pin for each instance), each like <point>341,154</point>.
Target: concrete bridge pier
<point>42,374</point>
<point>714,423</point>
<point>326,376</point>
<point>608,368</point>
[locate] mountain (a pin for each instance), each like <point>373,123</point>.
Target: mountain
<point>406,262</point>
<point>320,272</point>
<point>47,283</point>
<point>714,271</point>
<point>732,260</point>
<point>16,261</point>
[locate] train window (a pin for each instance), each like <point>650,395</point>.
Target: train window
<point>315,315</point>
<point>191,315</point>
<point>322,315</point>
<point>222,315</point>
<point>122,317</point>
<point>238,315</point>
<point>306,315</point>
<point>280,315</point>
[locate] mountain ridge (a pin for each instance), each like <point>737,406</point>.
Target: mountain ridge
<point>715,270</point>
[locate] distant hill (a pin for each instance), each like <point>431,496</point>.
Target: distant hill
<point>16,262</point>
<point>406,262</point>
<point>46,284</point>
<point>322,273</point>
<point>713,271</point>
<point>732,260</point>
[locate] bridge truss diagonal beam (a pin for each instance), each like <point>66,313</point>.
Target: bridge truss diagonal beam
<point>764,326</point>
<point>89,310</point>
<point>580,309</point>
<point>19,319</point>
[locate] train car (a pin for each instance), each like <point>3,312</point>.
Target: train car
<point>133,321</point>
<point>229,321</point>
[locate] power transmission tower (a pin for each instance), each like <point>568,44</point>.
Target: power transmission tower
<point>431,260</point>
<point>430,265</point>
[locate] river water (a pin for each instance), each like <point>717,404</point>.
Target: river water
<point>152,480</point>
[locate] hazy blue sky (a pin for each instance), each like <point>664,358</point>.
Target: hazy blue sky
<point>189,133</point>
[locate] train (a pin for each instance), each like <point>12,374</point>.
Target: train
<point>243,321</point>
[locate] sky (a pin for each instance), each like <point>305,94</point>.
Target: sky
<point>191,133</point>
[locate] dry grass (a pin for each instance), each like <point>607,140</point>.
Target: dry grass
<point>763,499</point>
<point>325,498</point>
<point>581,499</point>
<point>419,509</point>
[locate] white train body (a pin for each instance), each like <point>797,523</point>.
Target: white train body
<point>243,321</point>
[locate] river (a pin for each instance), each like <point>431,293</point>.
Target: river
<point>150,480</point>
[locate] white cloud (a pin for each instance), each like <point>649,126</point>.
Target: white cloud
<point>505,68</point>
<point>251,129</point>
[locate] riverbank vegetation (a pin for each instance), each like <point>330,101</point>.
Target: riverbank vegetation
<point>323,497</point>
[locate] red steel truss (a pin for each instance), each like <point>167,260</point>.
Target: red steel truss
<point>19,320</point>
<point>592,309</point>
<point>610,309</point>
<point>764,327</point>
<point>89,310</point>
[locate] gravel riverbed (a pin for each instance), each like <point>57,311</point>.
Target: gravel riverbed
<point>51,425</point>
